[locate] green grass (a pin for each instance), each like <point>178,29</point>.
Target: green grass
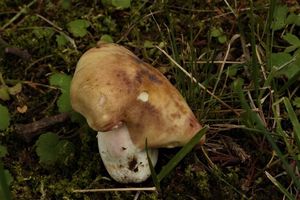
<point>231,60</point>
<point>262,84</point>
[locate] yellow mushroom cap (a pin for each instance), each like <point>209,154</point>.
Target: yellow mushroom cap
<point>111,86</point>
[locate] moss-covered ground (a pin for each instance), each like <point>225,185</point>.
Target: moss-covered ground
<point>211,39</point>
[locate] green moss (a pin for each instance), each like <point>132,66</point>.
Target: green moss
<point>149,196</point>
<point>198,179</point>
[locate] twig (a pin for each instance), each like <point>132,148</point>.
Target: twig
<point>49,22</point>
<point>236,36</point>
<point>37,61</point>
<point>231,9</point>
<point>31,130</point>
<point>137,195</point>
<point>116,190</point>
<point>199,84</point>
<point>18,52</point>
<point>14,50</point>
<point>59,30</point>
<point>217,62</point>
<point>22,11</point>
<point>216,128</point>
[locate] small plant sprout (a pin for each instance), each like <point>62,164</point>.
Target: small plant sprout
<point>128,101</point>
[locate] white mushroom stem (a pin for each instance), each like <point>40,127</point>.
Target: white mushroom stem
<point>123,160</point>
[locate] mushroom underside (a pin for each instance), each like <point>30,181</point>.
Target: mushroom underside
<point>124,161</point>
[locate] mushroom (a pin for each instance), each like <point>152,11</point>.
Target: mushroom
<point>128,101</point>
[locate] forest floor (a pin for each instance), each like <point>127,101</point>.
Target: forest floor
<point>244,56</point>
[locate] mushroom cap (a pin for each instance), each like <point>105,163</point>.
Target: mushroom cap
<point>112,86</point>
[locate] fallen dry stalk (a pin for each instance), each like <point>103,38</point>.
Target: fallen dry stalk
<point>115,190</point>
<point>33,129</point>
<point>195,81</point>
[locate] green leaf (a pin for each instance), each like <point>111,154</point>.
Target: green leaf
<point>5,117</point>
<point>219,34</point>
<point>46,148</point>
<point>78,27</point>
<point>64,82</point>
<point>15,89</point>
<point>106,38</point>
<point>232,70</point>
<point>3,151</point>
<point>291,49</point>
<point>222,39</point>
<point>51,150</point>
<point>61,80</point>
<point>279,59</point>
<point>293,19</point>
<point>286,64</point>
<point>296,102</point>
<point>121,4</point>
<point>148,44</point>
<point>5,181</point>
<point>279,20</point>
<point>4,94</point>
<point>292,39</point>
<point>216,32</point>
<point>64,102</point>
<point>118,4</point>
<point>8,177</point>
<point>294,119</point>
<point>293,69</point>
<point>181,154</point>
<point>106,2</point>
<point>238,84</point>
<point>65,4</point>
<point>76,117</point>
<point>61,40</point>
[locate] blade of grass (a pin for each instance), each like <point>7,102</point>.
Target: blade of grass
<point>257,123</point>
<point>172,38</point>
<point>289,82</point>
<point>198,83</point>
<point>231,9</point>
<point>181,154</point>
<point>279,186</point>
<point>293,117</point>
<point>279,129</point>
<point>270,32</point>
<point>269,83</point>
<point>232,40</point>
<point>153,173</point>
<point>254,68</point>
<point>284,161</point>
<point>175,53</point>
<point>3,184</point>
